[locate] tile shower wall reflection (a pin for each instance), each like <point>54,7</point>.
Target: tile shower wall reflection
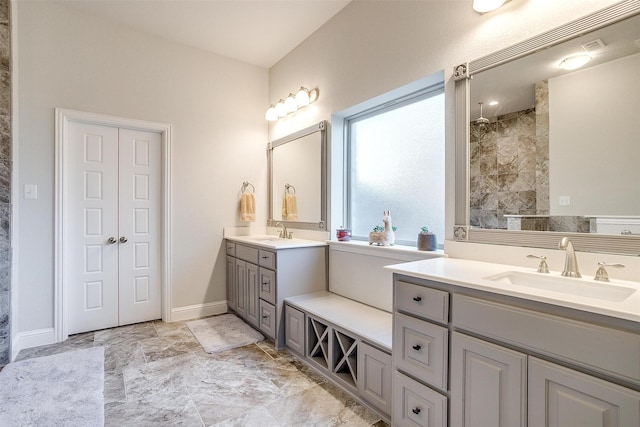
<point>503,166</point>
<point>5,182</point>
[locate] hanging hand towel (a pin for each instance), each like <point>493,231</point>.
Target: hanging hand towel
<point>290,207</point>
<point>248,207</point>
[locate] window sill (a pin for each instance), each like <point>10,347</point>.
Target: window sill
<point>396,252</point>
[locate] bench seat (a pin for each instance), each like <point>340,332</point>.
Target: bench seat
<point>371,324</point>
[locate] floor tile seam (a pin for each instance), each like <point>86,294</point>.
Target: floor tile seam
<point>195,406</point>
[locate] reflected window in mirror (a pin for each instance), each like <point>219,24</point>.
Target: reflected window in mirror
<point>395,161</point>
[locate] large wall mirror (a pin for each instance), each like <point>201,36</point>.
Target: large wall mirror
<point>549,150</point>
<point>297,179</point>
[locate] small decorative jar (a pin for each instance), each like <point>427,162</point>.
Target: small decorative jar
<point>343,234</point>
<point>427,242</point>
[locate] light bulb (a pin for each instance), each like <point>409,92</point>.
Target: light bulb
<point>271,114</point>
<point>484,6</point>
<point>281,110</point>
<point>302,97</point>
<point>574,62</point>
<point>313,95</point>
<point>290,103</point>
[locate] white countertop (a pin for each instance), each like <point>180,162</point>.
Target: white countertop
<point>473,275</point>
<point>270,241</point>
<point>371,323</point>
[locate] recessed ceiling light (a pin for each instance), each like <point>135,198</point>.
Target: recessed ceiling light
<point>574,62</point>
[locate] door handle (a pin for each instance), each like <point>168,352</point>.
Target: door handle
<point>123,239</point>
<point>111,240</point>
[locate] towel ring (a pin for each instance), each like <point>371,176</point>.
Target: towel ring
<point>288,187</point>
<point>248,184</point>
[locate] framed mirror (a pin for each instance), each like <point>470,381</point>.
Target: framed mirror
<point>298,179</point>
<point>557,154</point>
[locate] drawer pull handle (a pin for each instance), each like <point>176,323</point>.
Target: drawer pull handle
<point>265,257</point>
<point>265,283</point>
<point>265,316</point>
<point>416,410</point>
<point>417,347</point>
<point>417,299</point>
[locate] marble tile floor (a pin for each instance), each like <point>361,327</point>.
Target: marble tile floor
<point>157,374</point>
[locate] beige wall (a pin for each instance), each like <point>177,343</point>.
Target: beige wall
<point>594,128</point>
<point>215,105</point>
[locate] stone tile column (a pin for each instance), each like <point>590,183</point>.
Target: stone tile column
<point>5,182</point>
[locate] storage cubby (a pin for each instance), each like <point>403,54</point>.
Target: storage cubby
<point>318,342</point>
<point>345,358</point>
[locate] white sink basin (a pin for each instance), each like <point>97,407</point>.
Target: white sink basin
<point>570,286</point>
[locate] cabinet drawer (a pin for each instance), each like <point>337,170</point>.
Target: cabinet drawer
<point>606,350</point>
<point>421,301</point>
<point>294,329</point>
<point>247,253</point>
<point>267,319</point>
<point>267,259</point>
<point>421,349</point>
<point>417,405</point>
<point>231,248</point>
<point>267,285</point>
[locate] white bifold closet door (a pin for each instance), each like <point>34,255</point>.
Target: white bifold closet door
<point>113,230</point>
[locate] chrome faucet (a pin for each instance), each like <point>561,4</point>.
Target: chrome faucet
<point>284,233</point>
<point>570,261</point>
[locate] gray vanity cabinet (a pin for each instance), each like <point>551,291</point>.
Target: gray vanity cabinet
<point>488,384</point>
<point>512,361</point>
<point>259,279</point>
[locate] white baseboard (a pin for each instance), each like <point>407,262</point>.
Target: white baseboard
<point>198,310</point>
<point>30,339</point>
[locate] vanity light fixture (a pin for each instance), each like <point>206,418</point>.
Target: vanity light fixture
<point>484,6</point>
<point>573,62</point>
<point>291,104</point>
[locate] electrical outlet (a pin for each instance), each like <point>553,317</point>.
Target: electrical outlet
<point>564,200</point>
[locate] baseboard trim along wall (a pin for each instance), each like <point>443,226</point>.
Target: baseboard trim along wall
<point>30,339</point>
<point>198,310</point>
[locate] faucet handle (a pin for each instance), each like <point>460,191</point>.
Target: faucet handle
<point>601,274</point>
<point>542,267</point>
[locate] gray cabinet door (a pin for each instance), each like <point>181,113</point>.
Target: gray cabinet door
<point>231,282</point>
<point>562,397</point>
<point>253,305</point>
<point>294,329</point>
<point>374,377</point>
<point>241,287</point>
<point>488,384</point>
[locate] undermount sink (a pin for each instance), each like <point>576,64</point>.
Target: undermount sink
<point>569,286</point>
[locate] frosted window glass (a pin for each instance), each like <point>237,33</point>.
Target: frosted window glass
<point>397,163</point>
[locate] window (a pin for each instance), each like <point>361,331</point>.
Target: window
<point>395,161</point>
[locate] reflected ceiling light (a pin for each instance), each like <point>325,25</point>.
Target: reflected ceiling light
<point>492,103</point>
<point>484,6</point>
<point>574,62</point>
<point>291,103</point>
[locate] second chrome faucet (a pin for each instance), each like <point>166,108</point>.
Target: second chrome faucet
<point>570,261</point>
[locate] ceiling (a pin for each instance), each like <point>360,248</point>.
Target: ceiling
<point>258,32</point>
